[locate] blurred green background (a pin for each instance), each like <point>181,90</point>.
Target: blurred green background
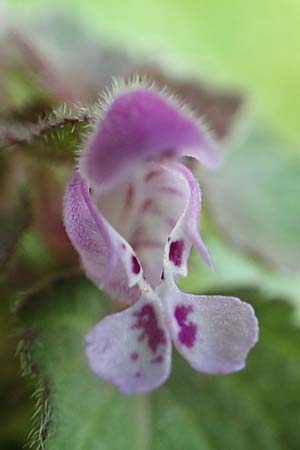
<point>237,63</point>
<point>254,45</point>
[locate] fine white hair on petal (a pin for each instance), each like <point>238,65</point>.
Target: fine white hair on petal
<point>137,82</point>
<point>138,121</point>
<point>120,87</point>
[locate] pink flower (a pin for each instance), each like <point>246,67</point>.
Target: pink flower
<point>132,212</point>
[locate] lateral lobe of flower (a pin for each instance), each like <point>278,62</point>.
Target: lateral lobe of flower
<point>213,333</point>
<point>140,124</point>
<point>88,232</point>
<point>131,348</point>
<point>106,257</point>
<point>185,233</point>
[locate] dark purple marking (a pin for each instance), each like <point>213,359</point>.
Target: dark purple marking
<point>134,356</point>
<point>158,360</point>
<point>162,275</point>
<point>136,268</point>
<point>187,334</point>
<point>146,321</point>
<point>152,174</point>
<point>129,197</point>
<point>176,251</point>
<point>171,191</point>
<point>169,153</point>
<point>138,374</point>
<point>149,205</point>
<point>123,246</point>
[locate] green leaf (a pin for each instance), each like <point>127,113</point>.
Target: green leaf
<point>192,411</point>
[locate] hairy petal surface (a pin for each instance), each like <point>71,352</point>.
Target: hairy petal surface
<point>132,348</point>
<point>106,257</point>
<point>141,124</point>
<point>214,333</point>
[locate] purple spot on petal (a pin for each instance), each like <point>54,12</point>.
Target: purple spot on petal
<point>175,252</point>
<point>169,153</point>
<point>129,197</point>
<point>134,356</point>
<point>146,204</point>
<point>162,275</point>
<point>146,321</point>
<point>158,360</point>
<point>123,246</point>
<point>170,190</point>
<point>138,374</point>
<point>136,268</point>
<point>152,174</point>
<point>187,334</point>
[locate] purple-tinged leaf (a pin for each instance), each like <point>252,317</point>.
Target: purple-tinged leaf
<point>254,198</point>
<point>54,138</point>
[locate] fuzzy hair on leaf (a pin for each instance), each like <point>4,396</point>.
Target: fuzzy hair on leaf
<point>40,418</point>
<point>55,137</point>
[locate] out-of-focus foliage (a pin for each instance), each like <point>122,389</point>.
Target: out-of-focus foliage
<point>251,220</point>
<point>254,198</point>
<point>254,45</point>
<point>15,395</point>
<point>15,213</point>
<point>254,212</point>
<point>191,411</point>
<point>233,268</point>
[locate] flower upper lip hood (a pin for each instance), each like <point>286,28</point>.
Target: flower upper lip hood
<point>140,124</point>
<point>132,212</point>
